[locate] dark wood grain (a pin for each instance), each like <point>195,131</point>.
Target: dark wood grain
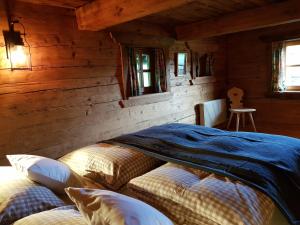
<point>265,16</point>
<point>71,97</point>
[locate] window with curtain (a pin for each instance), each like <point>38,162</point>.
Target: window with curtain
<point>180,63</point>
<point>286,66</point>
<point>146,71</point>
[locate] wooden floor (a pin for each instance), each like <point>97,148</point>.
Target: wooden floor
<point>288,130</point>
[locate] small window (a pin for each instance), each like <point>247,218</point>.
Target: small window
<point>145,70</point>
<point>292,68</point>
<point>285,66</point>
<point>180,63</point>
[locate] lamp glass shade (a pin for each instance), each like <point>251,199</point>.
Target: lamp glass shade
<point>18,54</point>
<point>19,57</point>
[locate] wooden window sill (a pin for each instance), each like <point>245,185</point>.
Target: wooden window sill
<point>146,99</point>
<point>285,95</point>
<point>203,80</point>
<point>179,81</point>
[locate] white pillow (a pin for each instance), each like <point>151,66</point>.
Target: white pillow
<point>110,208</point>
<point>51,173</point>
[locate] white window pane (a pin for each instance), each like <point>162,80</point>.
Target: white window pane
<point>146,62</point>
<point>293,55</point>
<point>147,79</point>
<point>293,76</point>
<point>181,58</point>
<point>181,69</point>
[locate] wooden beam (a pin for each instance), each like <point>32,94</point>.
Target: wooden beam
<point>143,28</point>
<point>100,14</point>
<point>266,16</point>
<point>58,3</point>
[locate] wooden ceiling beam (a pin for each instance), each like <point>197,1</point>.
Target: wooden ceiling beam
<point>265,16</point>
<point>100,14</point>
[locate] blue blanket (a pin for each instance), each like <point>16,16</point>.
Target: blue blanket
<point>270,163</point>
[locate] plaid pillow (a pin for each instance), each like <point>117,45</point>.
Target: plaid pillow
<point>65,215</point>
<point>179,214</point>
<point>110,165</point>
<point>217,198</point>
<point>20,197</point>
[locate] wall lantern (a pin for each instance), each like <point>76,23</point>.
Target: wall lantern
<point>17,48</point>
<point>17,51</point>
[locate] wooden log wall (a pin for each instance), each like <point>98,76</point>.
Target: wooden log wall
<point>71,97</point>
<point>249,67</point>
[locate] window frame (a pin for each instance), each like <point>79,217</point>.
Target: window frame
<point>176,71</point>
<point>151,70</point>
<point>295,88</point>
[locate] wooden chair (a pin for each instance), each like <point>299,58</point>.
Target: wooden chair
<point>235,96</point>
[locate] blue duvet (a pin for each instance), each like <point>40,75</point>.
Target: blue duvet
<point>270,163</point>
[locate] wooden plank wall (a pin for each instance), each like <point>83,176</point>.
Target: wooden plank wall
<point>249,69</point>
<point>71,98</point>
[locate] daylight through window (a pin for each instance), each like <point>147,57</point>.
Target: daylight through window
<point>292,66</point>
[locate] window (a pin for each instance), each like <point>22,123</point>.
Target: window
<point>145,70</point>
<point>292,66</point>
<point>180,63</point>
<point>285,66</point>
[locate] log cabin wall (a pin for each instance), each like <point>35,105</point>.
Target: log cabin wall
<point>249,67</point>
<point>71,97</point>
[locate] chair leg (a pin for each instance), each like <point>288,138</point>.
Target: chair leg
<point>243,118</point>
<point>229,122</point>
<point>252,121</point>
<point>237,121</point>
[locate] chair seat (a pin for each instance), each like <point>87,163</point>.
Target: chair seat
<point>243,110</point>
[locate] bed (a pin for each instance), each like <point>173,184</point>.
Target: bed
<point>185,194</point>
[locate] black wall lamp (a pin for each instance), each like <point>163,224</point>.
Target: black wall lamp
<point>17,49</point>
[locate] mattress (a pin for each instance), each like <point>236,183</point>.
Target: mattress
<point>201,197</point>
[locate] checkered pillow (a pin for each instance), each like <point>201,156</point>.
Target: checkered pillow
<point>20,197</point>
<point>176,212</point>
<point>110,165</point>
<point>65,215</point>
<point>207,195</point>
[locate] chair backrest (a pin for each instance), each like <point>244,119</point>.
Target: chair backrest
<point>235,96</point>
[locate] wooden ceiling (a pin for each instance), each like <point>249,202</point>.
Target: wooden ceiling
<point>189,18</point>
<point>196,10</point>
<point>59,3</point>
<point>202,10</point>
